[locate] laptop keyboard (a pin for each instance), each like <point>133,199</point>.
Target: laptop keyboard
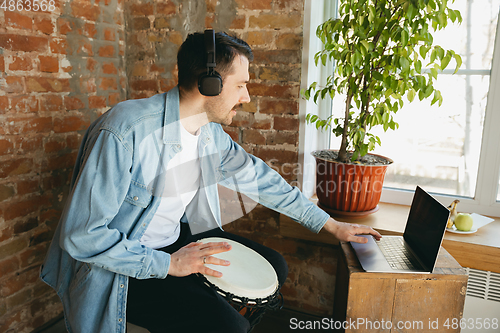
<point>396,254</point>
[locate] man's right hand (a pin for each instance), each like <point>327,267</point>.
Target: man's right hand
<point>193,257</point>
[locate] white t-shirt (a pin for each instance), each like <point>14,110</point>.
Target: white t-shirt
<point>181,184</point>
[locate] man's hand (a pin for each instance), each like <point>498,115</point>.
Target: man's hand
<point>193,257</point>
<point>347,231</point>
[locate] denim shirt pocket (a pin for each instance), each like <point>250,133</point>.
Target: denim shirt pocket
<point>81,274</point>
<point>139,195</point>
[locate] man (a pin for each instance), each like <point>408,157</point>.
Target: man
<point>146,170</point>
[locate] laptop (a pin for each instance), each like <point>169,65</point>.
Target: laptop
<point>414,252</point>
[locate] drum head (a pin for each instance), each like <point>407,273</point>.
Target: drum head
<point>249,275</point>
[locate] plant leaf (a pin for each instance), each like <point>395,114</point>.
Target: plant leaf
<point>411,95</point>
<point>458,59</point>
<point>423,51</point>
<point>377,76</point>
<point>445,61</point>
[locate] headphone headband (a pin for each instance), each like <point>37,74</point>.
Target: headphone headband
<point>210,83</point>
<point>210,47</point>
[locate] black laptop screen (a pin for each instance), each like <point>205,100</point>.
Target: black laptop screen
<point>425,227</point>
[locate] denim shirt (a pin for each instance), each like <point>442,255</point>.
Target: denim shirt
<point>116,188</point>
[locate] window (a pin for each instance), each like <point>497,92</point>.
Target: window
<point>498,192</point>
<point>315,13</point>
<point>452,151</point>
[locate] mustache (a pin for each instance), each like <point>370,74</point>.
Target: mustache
<point>238,106</point>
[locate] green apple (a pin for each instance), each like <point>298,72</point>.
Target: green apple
<point>463,221</point>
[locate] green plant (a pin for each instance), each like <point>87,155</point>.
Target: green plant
<point>379,48</point>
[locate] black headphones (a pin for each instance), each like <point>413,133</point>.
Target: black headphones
<point>210,84</point>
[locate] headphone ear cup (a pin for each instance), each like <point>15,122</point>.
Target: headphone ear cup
<point>210,84</point>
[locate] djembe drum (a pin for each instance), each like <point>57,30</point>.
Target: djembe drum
<point>249,284</point>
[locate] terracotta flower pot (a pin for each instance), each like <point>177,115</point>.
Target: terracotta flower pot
<point>349,190</point>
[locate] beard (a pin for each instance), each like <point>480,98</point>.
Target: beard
<point>218,111</point>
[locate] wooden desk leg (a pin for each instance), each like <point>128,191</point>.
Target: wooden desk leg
<point>341,289</point>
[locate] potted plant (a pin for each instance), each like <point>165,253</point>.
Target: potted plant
<point>383,53</point>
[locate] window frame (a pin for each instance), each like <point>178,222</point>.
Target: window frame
<point>311,139</point>
<point>485,199</point>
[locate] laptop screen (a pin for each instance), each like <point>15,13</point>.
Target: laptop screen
<point>425,227</point>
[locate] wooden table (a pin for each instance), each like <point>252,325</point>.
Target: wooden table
<point>398,302</point>
<point>480,250</point>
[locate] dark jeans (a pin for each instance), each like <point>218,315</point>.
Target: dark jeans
<point>186,304</point>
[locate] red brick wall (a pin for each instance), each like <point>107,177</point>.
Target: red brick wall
<point>61,68</point>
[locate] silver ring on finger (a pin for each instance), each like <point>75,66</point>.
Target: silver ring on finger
<point>204,260</point>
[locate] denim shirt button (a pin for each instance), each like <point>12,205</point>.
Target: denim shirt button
<point>136,198</point>
<point>120,320</point>
<point>122,285</point>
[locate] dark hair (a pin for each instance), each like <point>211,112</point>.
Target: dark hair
<point>192,57</point>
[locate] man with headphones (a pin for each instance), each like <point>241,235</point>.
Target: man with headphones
<point>144,189</point>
